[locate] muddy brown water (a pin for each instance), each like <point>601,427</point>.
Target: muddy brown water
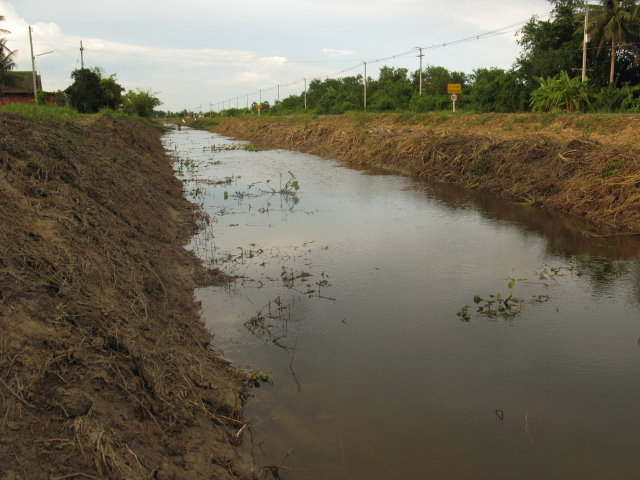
<point>347,297</point>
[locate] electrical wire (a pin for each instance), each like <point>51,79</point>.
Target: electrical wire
<point>500,31</point>
<point>514,27</point>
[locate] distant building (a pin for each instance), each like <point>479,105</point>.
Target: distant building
<point>21,88</point>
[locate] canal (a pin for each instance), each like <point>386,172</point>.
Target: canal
<point>398,328</point>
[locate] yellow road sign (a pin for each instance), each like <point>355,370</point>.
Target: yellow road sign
<point>454,88</point>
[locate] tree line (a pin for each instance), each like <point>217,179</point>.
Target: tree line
<point>545,77</point>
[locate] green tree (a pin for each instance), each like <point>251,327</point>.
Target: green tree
<point>551,46</point>
<point>141,102</point>
<point>615,22</point>
<point>392,90</point>
<point>288,105</point>
<point>497,90</point>
<point>111,92</point>
<point>85,94</point>
<point>434,89</point>
<point>435,80</point>
<point>92,90</point>
<point>328,102</point>
<point>335,96</point>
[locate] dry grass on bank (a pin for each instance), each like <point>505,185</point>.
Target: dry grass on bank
<point>583,165</point>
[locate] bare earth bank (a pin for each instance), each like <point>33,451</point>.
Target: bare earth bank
<point>105,370</point>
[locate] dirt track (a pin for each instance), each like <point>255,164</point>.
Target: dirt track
<point>586,166</point>
<point>105,370</point>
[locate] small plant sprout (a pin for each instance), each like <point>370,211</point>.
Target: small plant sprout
<point>524,195</point>
<point>257,376</point>
<point>289,188</point>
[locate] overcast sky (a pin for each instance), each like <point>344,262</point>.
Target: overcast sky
<point>201,52</point>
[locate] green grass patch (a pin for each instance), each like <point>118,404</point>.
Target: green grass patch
<point>41,113</point>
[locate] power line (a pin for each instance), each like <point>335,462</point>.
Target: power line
<point>40,37</point>
<point>500,31</point>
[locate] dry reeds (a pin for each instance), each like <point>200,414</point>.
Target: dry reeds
<point>561,163</point>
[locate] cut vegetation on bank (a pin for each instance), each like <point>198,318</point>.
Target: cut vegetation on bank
<point>105,367</point>
<point>584,165</point>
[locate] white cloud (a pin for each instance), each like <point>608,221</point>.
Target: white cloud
<point>333,53</point>
<point>273,60</point>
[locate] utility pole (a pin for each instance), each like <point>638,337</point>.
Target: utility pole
<point>81,55</point>
<point>33,69</point>
<point>305,93</point>
<point>585,41</point>
<point>247,101</point>
<point>365,85</point>
<point>278,94</point>
<point>420,88</point>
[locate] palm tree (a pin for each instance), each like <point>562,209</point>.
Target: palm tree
<point>7,59</point>
<point>2,30</point>
<point>615,21</point>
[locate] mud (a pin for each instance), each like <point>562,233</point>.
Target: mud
<point>586,166</point>
<point>105,366</point>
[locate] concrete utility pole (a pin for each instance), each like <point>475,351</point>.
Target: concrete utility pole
<point>278,94</point>
<point>305,93</point>
<point>33,69</point>
<point>247,101</point>
<point>81,55</point>
<point>365,85</point>
<point>420,88</point>
<point>585,41</point>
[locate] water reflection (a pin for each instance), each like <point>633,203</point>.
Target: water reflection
<point>374,375</point>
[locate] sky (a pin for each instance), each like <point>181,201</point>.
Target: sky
<point>215,54</point>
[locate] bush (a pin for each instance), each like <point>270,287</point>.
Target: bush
<point>562,93</point>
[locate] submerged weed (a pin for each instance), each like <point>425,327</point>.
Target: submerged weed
<point>289,188</point>
<point>257,376</point>
<point>596,266</point>
<point>498,307</point>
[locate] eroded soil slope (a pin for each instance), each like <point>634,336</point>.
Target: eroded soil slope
<point>105,370</point>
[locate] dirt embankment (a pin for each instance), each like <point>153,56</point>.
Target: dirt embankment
<point>588,166</point>
<point>105,370</point>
